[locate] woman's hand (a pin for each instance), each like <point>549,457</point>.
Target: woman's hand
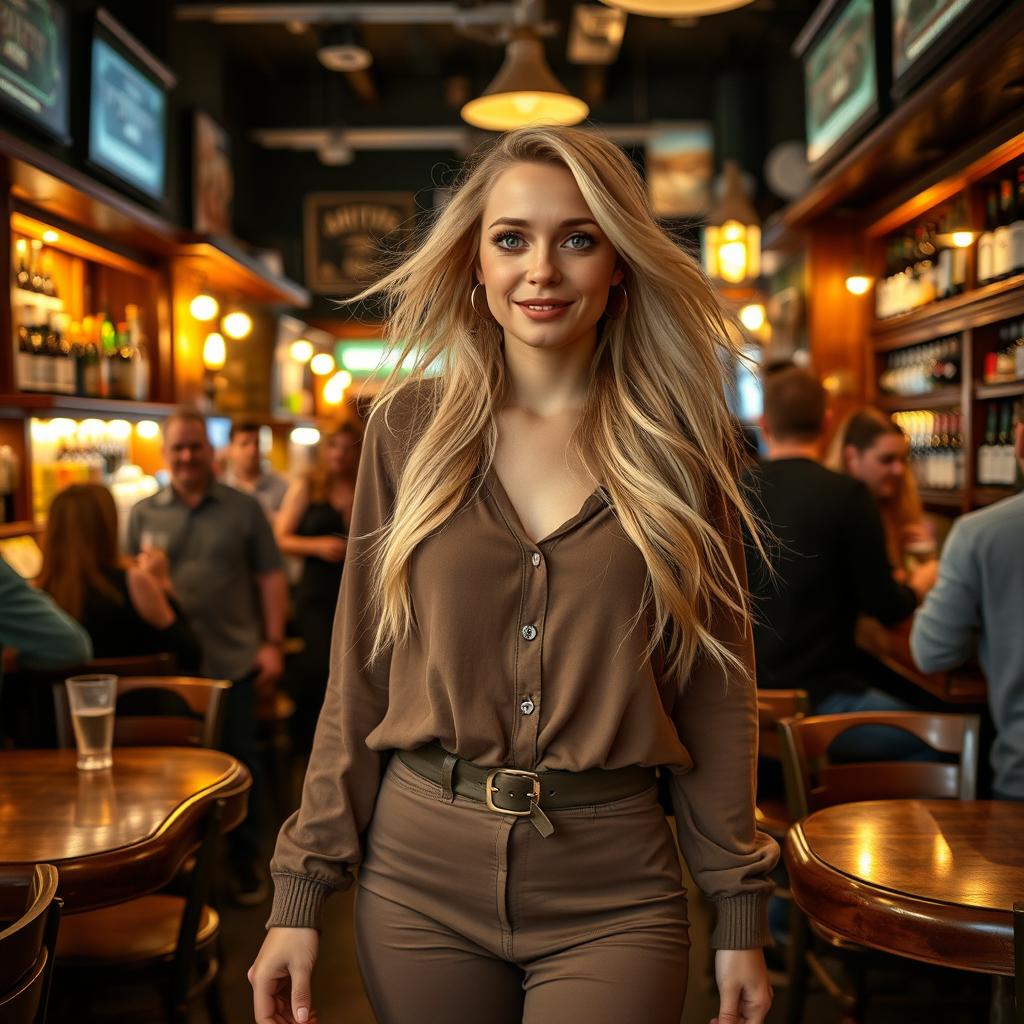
<point>280,977</point>
<point>745,997</point>
<point>331,548</point>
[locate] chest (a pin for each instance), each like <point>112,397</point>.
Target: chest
<point>542,478</point>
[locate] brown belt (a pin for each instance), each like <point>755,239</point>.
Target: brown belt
<point>524,793</point>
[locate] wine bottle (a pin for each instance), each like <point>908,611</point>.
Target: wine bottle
<point>1001,235</point>
<point>22,277</point>
<point>1017,227</point>
<point>987,240</point>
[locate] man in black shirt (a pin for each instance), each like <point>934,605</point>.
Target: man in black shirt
<point>826,547</point>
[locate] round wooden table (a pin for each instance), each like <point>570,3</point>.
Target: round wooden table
<point>117,834</point>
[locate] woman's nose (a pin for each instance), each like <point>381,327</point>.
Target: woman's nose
<point>542,268</point>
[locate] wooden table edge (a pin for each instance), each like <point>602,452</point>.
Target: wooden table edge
<point>888,913</point>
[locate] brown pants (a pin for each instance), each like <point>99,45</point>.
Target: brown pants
<point>465,916</point>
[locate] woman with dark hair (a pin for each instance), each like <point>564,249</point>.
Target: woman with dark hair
<point>127,608</point>
<point>313,524</point>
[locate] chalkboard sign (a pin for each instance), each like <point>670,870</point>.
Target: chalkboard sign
<point>128,109</point>
<point>34,63</point>
<point>346,233</point>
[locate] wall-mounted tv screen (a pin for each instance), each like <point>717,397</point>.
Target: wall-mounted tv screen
<point>128,109</point>
<point>34,63</point>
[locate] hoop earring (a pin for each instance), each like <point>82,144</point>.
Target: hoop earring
<point>472,301</point>
<point>617,307</point>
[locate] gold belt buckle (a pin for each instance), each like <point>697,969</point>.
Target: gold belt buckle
<point>490,788</point>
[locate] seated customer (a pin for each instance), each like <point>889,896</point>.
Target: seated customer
<point>127,608</point>
<point>827,565</point>
<point>979,597</point>
<point>871,448</point>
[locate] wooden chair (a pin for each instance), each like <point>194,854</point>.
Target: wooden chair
<point>161,936</point>
<point>157,711</point>
<point>773,814</point>
<point>814,782</point>
<point>275,747</point>
<point>28,900</point>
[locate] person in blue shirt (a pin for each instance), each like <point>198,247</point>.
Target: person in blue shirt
<point>30,622</point>
<point>977,604</point>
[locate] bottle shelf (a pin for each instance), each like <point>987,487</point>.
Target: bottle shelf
<point>990,495</point>
<point>941,499</point>
<point>999,300</point>
<point>1004,389</point>
<point>940,398</point>
<point>24,297</point>
<point>32,401</point>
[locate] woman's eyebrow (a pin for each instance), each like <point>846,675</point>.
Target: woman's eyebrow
<point>572,222</point>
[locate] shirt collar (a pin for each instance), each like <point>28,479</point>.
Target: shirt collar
<point>169,496</point>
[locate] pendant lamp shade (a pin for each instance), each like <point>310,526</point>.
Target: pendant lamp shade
<point>524,92</point>
<point>676,8</point>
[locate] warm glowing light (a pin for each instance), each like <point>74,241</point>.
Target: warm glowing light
<point>305,436</point>
<point>858,284</point>
<point>752,316</point>
<point>963,239</point>
<point>676,8</point>
<point>334,389</point>
<point>147,429</point>
<point>322,364</point>
<point>204,307</point>
<point>237,324</point>
<point>301,350</point>
<point>214,351</point>
<point>345,376</point>
<point>50,237</point>
<point>119,430</point>
<point>62,428</point>
<point>41,431</point>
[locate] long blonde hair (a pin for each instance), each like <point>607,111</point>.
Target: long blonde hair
<point>862,429</point>
<point>655,427</point>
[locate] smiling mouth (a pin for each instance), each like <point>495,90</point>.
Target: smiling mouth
<point>542,307</point>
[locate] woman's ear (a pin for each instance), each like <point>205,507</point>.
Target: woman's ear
<point>620,273</point>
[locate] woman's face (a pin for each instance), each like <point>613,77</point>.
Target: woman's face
<point>880,467</point>
<point>339,454</point>
<point>540,247</point>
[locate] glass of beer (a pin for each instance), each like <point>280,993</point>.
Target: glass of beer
<point>92,700</point>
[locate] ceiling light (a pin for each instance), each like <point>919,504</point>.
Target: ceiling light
<point>301,350</point>
<point>322,363</point>
<point>858,284</point>
<point>305,436</point>
<point>524,92</point>
<point>334,389</point>
<point>335,152</point>
<point>214,351</point>
<point>752,316</point>
<point>237,325</point>
<point>676,8</point>
<point>147,429</point>
<point>732,239</point>
<point>50,237</point>
<point>204,307</point>
<point>341,49</point>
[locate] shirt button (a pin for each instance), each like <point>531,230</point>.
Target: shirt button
<point>526,707</point>
<point>529,632</point>
<point>535,558</point>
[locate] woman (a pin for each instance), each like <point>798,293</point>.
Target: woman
<point>872,448</point>
<point>126,608</point>
<point>543,599</point>
<point>313,524</point>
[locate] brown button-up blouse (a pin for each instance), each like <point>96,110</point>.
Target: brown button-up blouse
<point>526,655</point>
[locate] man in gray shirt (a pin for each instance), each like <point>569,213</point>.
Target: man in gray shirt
<point>217,548</point>
<point>980,594</point>
<point>245,470</point>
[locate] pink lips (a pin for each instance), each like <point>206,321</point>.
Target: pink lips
<point>560,306</point>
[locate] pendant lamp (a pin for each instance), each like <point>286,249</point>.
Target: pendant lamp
<point>676,8</point>
<point>524,92</point>
<point>732,238</point>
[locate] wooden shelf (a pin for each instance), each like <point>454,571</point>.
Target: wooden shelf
<point>227,267</point>
<point>25,402</point>
<point>18,529</point>
<point>988,304</point>
<point>990,495</point>
<point>24,297</point>
<point>942,499</point>
<point>940,398</point>
<point>1005,389</point>
<point>964,108</point>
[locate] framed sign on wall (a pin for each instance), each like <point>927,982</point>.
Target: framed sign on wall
<point>346,234</point>
<point>213,182</point>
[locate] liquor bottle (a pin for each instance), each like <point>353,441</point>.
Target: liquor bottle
<point>8,483</point>
<point>1001,235</point>
<point>944,262</point>
<point>987,240</point>
<point>26,358</point>
<point>959,457</point>
<point>1017,228</point>
<point>137,339</point>
<point>22,277</point>
<point>35,274</point>
<point>65,365</point>
<point>1018,351</point>
<point>47,285</point>
<point>985,450</point>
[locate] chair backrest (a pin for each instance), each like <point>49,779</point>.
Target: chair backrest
<point>773,705</point>
<point>814,782</point>
<point>29,910</point>
<point>25,1004</point>
<point>157,711</point>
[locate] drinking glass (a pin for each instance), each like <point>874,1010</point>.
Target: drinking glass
<point>92,700</point>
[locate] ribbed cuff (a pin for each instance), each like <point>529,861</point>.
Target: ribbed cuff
<point>742,922</point>
<point>297,901</point>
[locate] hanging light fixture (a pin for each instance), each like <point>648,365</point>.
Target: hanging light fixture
<point>322,364</point>
<point>204,307</point>
<point>301,350</point>
<point>676,8</point>
<point>732,239</point>
<point>214,351</point>
<point>237,324</point>
<point>524,91</point>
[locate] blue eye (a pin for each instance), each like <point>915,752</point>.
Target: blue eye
<point>587,240</point>
<point>506,236</point>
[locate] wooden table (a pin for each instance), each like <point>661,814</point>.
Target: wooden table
<point>933,880</point>
<point>117,834</point>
